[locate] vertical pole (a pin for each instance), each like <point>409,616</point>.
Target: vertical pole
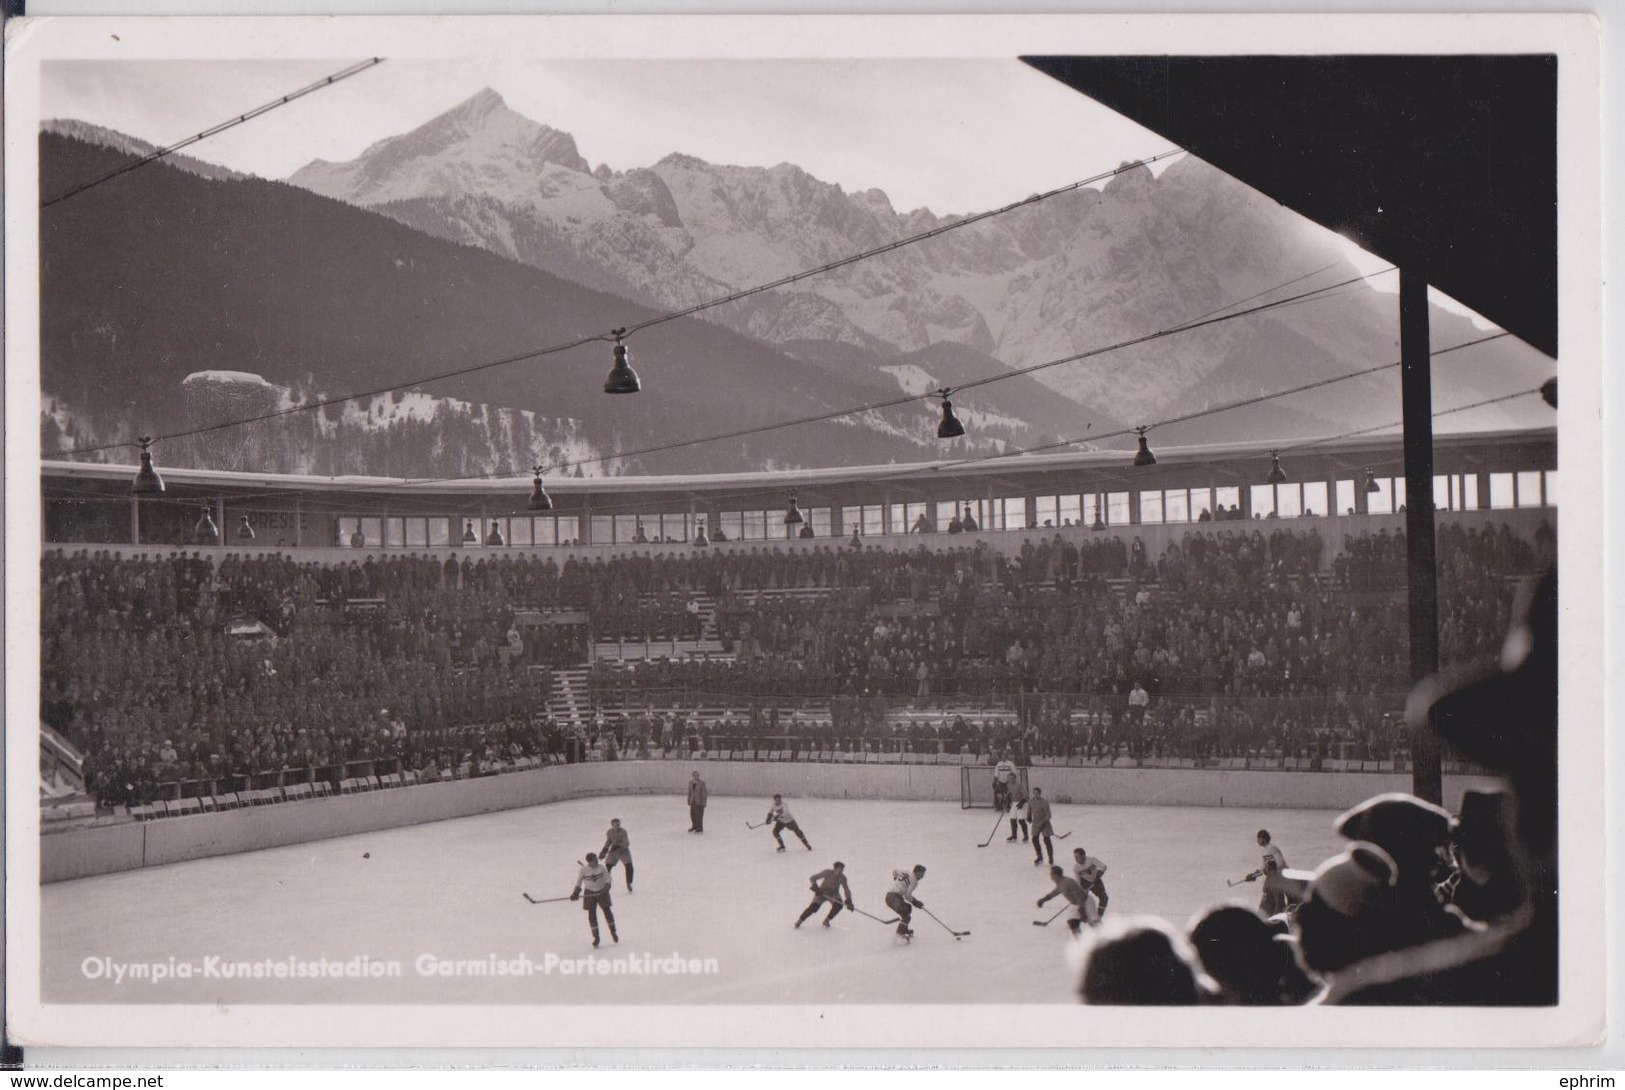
<point>1416,388</point>
<point>135,520</point>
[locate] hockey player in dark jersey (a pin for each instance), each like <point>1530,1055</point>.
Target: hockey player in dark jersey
<point>828,885</point>
<point>1078,897</point>
<point>901,899</point>
<point>593,881</point>
<point>779,814</point>
<point>617,849</point>
<point>1038,813</point>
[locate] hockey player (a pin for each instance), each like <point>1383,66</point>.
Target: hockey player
<point>593,880</point>
<point>1004,774</point>
<point>1091,875</point>
<point>1038,813</point>
<point>828,885</point>
<point>781,818</point>
<point>901,899</point>
<point>1077,896</point>
<point>617,849</point>
<point>1273,862</point>
<point>1015,799</point>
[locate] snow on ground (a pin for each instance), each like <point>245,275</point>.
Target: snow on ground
<point>452,890</point>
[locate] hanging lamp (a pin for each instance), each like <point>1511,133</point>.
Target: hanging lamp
<point>949,427</point>
<point>622,379</point>
<point>147,482</point>
<point>1143,456</point>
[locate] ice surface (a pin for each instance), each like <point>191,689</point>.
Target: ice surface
<point>453,889</point>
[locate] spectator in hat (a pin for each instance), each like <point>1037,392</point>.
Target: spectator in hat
<point>1139,961</point>
<point>1415,835</point>
<point>1240,951</point>
<point>1484,885</point>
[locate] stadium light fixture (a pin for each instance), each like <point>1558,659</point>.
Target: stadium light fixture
<point>245,532</point>
<point>147,481</point>
<point>206,532</point>
<point>1277,474</point>
<point>792,514</point>
<point>469,536</point>
<point>539,499</point>
<point>949,427</point>
<point>1371,485</point>
<point>1143,456</point>
<point>622,379</point>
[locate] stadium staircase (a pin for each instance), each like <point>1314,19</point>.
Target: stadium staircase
<point>62,793</point>
<point>568,703</point>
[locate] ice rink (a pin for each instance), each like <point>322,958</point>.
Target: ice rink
<point>451,891</point>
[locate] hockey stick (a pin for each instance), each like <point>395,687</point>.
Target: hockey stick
<point>945,927</point>
<point>544,900</point>
<point>748,825</point>
<point>1063,836</point>
<point>1052,919</point>
<point>998,821</point>
<point>875,918</point>
<point>1251,877</point>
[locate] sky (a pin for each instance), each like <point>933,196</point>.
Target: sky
<point>948,135</point>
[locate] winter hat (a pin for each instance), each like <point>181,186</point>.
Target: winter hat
<point>1407,828</point>
<point>1353,883</point>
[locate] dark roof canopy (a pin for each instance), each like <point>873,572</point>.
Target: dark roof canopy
<point>1443,165</point>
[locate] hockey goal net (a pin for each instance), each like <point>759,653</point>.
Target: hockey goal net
<point>976,786</point>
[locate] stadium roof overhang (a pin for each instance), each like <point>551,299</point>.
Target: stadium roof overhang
<point>1445,166</point>
<point>1028,473</point>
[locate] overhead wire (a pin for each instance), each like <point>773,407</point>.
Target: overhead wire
<point>625,332</point>
<point>154,156</point>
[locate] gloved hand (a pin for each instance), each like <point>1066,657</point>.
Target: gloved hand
<point>850,907</point>
<point>575,895</point>
<point>1040,904</point>
<point>919,904</point>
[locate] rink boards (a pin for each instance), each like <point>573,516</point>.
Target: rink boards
<point>80,853</point>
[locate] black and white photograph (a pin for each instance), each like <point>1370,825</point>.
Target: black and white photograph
<point>749,531</point>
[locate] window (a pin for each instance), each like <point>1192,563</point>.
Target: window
<point>733,525</point>
<point>947,511</point>
<point>1443,494</point>
<point>1176,505</point>
<point>1227,497</point>
<point>873,520</point>
<point>1551,488</point>
<point>416,532</point>
<point>1093,509</point>
<point>569,528</point>
<point>1529,489</point>
<point>1381,502</point>
<point>394,532</point>
<point>819,518</point>
<point>1345,498</point>
<point>601,529</point>
<point>1151,507</point>
<point>1071,509</point>
<point>1469,492</point>
<point>1201,501</point>
<point>1117,508</point>
<point>440,532</point>
<point>519,531</point>
<point>1262,499</point>
<point>1314,498</point>
<point>1289,500</point>
<point>1046,511</point>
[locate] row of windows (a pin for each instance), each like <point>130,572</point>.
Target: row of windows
<point>1293,499</point>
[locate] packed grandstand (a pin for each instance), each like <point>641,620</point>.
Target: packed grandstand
<point>204,673</point>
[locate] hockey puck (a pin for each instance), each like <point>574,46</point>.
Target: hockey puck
<point>366,855</point>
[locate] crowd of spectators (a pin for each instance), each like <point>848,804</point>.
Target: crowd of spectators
<point>1231,642</point>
